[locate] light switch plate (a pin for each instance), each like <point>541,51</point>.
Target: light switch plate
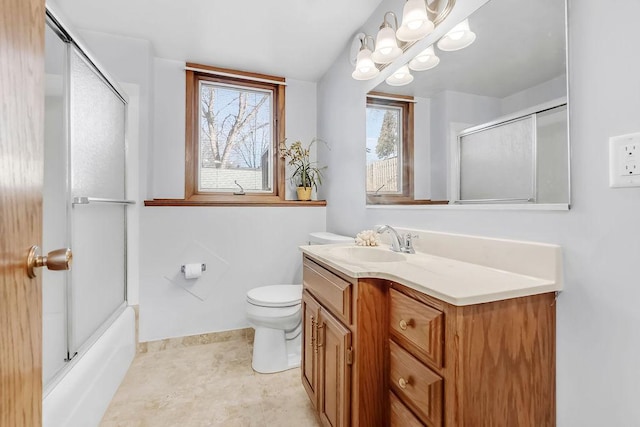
<point>624,160</point>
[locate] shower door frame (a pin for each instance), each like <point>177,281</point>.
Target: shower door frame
<point>57,23</point>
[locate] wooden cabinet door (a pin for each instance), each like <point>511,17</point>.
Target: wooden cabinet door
<point>21,180</point>
<point>310,311</point>
<point>334,344</point>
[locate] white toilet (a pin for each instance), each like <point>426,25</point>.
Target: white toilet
<point>275,314</point>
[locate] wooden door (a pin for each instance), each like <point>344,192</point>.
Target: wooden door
<point>333,342</point>
<point>310,309</point>
<point>21,170</point>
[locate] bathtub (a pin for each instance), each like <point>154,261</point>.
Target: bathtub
<point>81,397</point>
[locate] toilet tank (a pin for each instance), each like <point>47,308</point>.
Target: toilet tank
<point>325,238</point>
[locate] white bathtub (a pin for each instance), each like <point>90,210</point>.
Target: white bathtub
<point>81,397</point>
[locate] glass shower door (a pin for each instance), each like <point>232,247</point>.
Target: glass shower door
<point>84,201</point>
<point>98,225</point>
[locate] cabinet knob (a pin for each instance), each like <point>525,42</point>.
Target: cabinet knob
<point>402,383</point>
<point>404,324</point>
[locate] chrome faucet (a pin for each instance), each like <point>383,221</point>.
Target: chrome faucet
<point>399,243</point>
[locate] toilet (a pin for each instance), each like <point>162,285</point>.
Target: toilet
<point>275,312</point>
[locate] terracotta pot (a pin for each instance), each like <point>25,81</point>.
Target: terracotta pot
<point>304,193</point>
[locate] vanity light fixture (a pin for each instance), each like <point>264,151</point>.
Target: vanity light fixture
<point>457,38</point>
<point>425,60</point>
<point>415,21</point>
<point>365,68</point>
<point>386,49</point>
<point>418,20</point>
<point>401,77</point>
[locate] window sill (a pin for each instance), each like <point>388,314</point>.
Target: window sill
<point>246,203</point>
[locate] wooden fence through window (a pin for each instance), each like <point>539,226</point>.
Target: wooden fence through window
<point>383,173</point>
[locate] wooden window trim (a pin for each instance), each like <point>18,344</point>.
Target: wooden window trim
<point>406,197</point>
<point>193,197</point>
<point>231,201</point>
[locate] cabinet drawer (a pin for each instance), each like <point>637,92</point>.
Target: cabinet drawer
<point>401,416</point>
<point>331,290</point>
<point>418,325</point>
<point>416,385</point>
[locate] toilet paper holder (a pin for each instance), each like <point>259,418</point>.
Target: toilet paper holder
<point>204,268</point>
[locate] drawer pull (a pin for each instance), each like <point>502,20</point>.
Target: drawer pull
<point>319,334</point>
<point>404,324</point>
<point>402,383</point>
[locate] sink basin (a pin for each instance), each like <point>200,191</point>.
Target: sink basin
<point>365,254</point>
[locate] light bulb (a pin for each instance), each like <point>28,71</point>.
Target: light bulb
<point>386,46</point>
<point>425,60</point>
<point>365,68</point>
<point>457,38</point>
<point>414,25</point>
<point>415,21</point>
<point>401,77</point>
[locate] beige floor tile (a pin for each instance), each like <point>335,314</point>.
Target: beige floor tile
<point>208,385</point>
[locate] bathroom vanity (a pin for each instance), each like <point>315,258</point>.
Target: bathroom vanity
<point>428,340</point>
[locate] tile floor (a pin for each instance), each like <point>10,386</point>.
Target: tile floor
<point>208,385</point>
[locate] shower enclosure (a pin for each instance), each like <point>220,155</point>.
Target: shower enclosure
<point>84,201</point>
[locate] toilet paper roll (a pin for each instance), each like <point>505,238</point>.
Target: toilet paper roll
<point>193,271</point>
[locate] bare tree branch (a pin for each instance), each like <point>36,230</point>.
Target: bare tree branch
<point>240,123</point>
<point>230,135</point>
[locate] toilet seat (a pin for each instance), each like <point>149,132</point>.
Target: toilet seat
<point>275,296</point>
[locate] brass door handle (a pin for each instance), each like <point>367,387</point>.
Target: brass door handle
<point>319,334</point>
<point>60,259</point>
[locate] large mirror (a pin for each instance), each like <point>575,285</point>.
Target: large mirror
<point>489,121</point>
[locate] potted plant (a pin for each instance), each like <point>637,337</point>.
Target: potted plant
<point>306,174</point>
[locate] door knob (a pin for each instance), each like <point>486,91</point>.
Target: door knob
<point>60,259</point>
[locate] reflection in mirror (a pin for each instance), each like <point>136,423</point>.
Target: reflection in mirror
<point>389,150</point>
<point>491,118</point>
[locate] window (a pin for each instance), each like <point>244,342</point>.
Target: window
<point>389,150</point>
<point>234,123</point>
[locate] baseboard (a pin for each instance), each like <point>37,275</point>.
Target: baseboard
<point>200,339</point>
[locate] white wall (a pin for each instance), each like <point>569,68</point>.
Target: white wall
<point>243,247</point>
<point>248,246</point>
<point>598,345</point>
<point>300,116</point>
<point>169,129</point>
<point>421,148</point>
<point>544,92</point>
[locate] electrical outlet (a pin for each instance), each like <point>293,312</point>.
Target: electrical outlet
<point>624,160</point>
<point>630,149</point>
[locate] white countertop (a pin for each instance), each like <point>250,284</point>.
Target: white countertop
<point>453,281</point>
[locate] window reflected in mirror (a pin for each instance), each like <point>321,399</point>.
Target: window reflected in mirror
<point>389,149</point>
<point>384,148</point>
